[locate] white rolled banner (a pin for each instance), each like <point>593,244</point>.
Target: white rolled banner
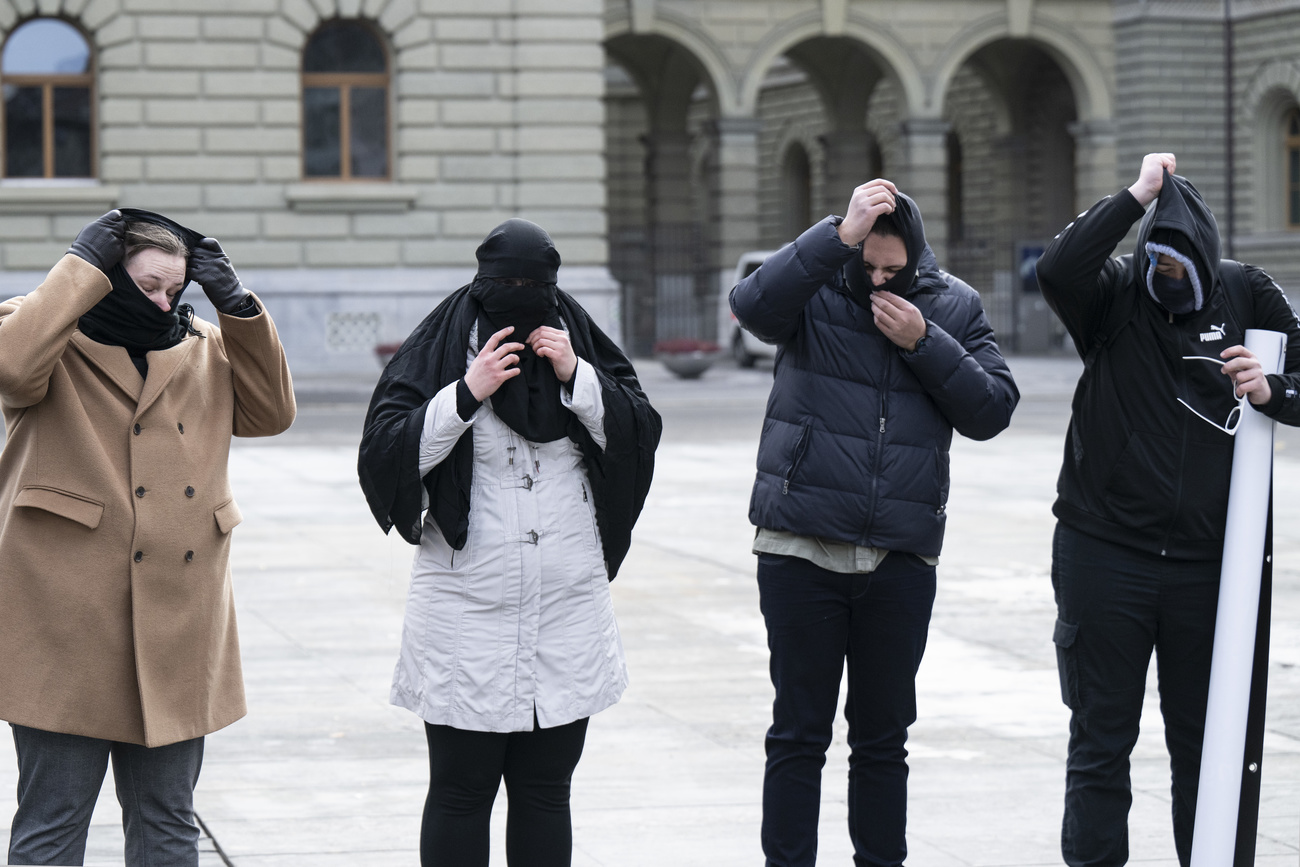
<point>1224,748</point>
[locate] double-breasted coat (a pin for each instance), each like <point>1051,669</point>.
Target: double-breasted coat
<point>117,619</point>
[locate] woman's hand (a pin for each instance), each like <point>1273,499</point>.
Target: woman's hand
<point>553,345</point>
<point>494,364</point>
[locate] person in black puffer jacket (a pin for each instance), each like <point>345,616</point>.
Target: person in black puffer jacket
<point>1143,491</point>
<point>882,355</point>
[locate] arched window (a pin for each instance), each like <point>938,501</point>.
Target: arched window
<point>1293,169</point>
<point>797,181</point>
<point>48,88</point>
<point>345,103</point>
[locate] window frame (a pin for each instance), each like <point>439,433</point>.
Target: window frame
<point>47,82</point>
<point>1290,185</point>
<point>346,82</point>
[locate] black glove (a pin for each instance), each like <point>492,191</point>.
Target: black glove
<point>102,243</point>
<point>210,267</point>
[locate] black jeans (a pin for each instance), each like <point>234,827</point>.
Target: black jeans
<point>59,778</point>
<point>817,619</point>
<point>1114,605</point>
<point>465,771</point>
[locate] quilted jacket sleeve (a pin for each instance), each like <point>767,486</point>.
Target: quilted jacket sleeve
<point>964,373</point>
<point>770,301</point>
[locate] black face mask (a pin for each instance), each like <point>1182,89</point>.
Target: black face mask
<point>126,317</point>
<point>1174,295</point>
<point>529,403</point>
<point>860,285</point>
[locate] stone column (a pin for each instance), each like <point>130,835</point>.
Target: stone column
<point>924,177</point>
<point>1096,170</point>
<point>737,188</point>
<point>848,164</point>
<point>737,207</point>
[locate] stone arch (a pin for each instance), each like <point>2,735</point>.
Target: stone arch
<point>1273,92</point>
<point>1087,78</point>
<point>697,44</point>
<point>875,37</point>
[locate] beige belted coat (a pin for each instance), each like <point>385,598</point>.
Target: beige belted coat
<point>116,614</point>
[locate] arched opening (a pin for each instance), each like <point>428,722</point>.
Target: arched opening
<point>662,180</point>
<point>345,82</point>
<point>49,116</point>
<point>796,190</point>
<point>1010,107</point>
<point>824,94</point>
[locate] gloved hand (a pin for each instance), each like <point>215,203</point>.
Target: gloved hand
<point>210,267</point>
<point>102,243</point>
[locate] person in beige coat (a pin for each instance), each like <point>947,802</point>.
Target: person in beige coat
<point>117,622</point>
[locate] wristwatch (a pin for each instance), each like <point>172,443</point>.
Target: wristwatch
<point>921,341</point>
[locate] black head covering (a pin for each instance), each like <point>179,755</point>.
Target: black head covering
<point>1180,225</point>
<point>432,357</point>
<point>517,249</point>
<point>907,217</point>
<point>126,317</point>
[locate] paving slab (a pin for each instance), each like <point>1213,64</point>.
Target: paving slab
<point>323,771</point>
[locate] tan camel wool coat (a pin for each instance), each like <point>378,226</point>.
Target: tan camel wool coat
<point>116,614</point>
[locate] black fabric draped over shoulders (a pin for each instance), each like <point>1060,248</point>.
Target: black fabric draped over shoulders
<point>432,357</point>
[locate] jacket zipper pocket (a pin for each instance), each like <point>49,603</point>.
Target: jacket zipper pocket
<point>800,448</point>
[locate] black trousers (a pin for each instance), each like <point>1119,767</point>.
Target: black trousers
<point>465,771</point>
<point>817,621</point>
<point>1114,606</point>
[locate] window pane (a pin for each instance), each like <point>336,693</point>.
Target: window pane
<point>344,47</point>
<point>321,156</point>
<point>46,45</point>
<point>1293,128</point>
<point>369,132</point>
<point>72,132</point>
<point>1293,169</point>
<point>1295,208</point>
<point>24,157</point>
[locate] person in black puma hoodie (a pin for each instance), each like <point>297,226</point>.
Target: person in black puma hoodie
<point>1143,491</point>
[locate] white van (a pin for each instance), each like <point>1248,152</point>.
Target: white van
<point>745,348</point>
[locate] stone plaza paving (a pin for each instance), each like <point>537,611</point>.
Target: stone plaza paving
<point>323,771</point>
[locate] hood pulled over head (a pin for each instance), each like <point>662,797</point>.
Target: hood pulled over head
<point>1180,226</point>
<point>921,267</point>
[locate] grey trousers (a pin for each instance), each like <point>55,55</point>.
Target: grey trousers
<point>59,778</point>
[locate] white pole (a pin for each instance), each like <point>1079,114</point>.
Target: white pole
<point>1224,749</point>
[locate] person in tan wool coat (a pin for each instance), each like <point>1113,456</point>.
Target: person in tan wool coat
<point>117,622</point>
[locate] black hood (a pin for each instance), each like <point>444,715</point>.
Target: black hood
<point>922,270</point>
<point>1180,225</point>
<point>519,248</point>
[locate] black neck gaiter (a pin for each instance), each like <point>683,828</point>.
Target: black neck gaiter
<point>529,403</point>
<point>126,317</point>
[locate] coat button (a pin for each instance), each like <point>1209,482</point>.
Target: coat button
<point>189,492</point>
<point>180,427</point>
<point>189,556</point>
<point>139,555</point>
<point>139,492</point>
<point>136,430</point>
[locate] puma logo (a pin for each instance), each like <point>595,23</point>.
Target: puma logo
<point>1216,332</point>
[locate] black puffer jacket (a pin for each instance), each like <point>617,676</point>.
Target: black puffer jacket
<point>1141,469</point>
<point>855,443</point>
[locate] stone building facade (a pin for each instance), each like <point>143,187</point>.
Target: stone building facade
<point>350,153</point>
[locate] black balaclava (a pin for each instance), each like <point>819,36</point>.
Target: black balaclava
<point>911,230</point>
<point>529,403</point>
<point>126,317</point>
<point>1176,296</point>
